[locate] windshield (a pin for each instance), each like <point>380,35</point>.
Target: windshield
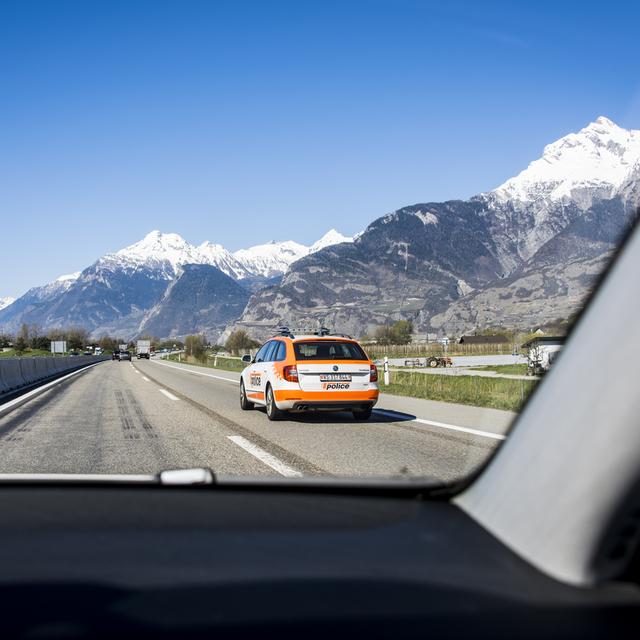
<point>289,239</point>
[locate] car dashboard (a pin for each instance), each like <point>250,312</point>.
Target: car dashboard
<point>80,561</point>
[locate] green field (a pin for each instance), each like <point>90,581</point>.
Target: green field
<point>497,393</point>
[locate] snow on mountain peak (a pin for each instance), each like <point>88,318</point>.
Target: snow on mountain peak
<point>69,277</point>
<point>170,251</point>
<point>596,159</point>
<point>156,248</point>
<point>275,257</point>
<point>330,238</point>
<point>271,258</point>
<point>6,301</point>
<point>216,255</point>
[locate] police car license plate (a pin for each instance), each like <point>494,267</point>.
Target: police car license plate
<point>335,377</point>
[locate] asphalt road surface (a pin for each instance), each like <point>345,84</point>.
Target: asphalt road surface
<point>146,416</point>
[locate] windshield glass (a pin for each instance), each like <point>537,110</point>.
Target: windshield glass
<point>325,350</point>
<point>291,239</point>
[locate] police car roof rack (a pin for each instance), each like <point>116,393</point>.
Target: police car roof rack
<point>284,331</point>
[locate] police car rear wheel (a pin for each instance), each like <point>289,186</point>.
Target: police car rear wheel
<point>245,405</point>
<point>273,413</point>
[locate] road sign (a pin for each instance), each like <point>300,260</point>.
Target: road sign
<point>58,346</point>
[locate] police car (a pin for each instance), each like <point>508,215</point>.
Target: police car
<point>310,373</point>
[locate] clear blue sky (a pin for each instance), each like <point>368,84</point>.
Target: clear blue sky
<point>241,122</point>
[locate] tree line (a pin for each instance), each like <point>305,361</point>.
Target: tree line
<point>31,337</point>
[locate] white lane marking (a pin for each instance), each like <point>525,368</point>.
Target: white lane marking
<point>166,393</point>
<point>198,373</point>
<point>267,458</point>
<point>12,403</point>
<point>443,425</point>
<point>145,378</point>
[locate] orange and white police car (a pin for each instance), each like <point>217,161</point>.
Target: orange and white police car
<point>310,373</point>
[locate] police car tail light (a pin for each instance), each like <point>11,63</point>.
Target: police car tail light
<point>290,373</point>
<point>373,373</point>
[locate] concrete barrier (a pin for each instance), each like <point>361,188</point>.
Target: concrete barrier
<point>11,373</point>
<point>16,373</point>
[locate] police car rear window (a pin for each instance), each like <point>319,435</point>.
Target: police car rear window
<point>327,350</point>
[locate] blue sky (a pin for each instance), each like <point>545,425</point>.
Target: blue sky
<point>241,122</point>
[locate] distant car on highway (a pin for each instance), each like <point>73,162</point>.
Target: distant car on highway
<point>310,373</point>
<point>125,355</point>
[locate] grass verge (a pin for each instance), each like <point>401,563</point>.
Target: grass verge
<point>496,393</point>
<point>226,364</point>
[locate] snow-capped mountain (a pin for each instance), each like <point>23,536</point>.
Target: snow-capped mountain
<point>274,258</point>
<point>578,168</point>
<point>5,301</point>
<point>519,256</point>
<point>271,258</point>
<point>598,163</point>
<point>328,239</point>
<point>118,291</point>
<point>218,256</point>
<point>165,252</point>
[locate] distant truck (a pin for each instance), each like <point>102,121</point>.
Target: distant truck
<point>143,349</point>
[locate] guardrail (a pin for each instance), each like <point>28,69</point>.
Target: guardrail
<point>20,373</point>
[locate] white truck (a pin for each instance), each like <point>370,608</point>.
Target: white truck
<point>143,349</point>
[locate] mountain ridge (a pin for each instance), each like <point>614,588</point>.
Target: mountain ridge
<point>514,256</point>
<point>432,262</point>
<point>115,293</point>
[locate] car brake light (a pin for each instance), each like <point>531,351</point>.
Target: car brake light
<point>373,373</point>
<point>290,373</point>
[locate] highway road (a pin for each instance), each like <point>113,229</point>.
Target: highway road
<point>146,416</point>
